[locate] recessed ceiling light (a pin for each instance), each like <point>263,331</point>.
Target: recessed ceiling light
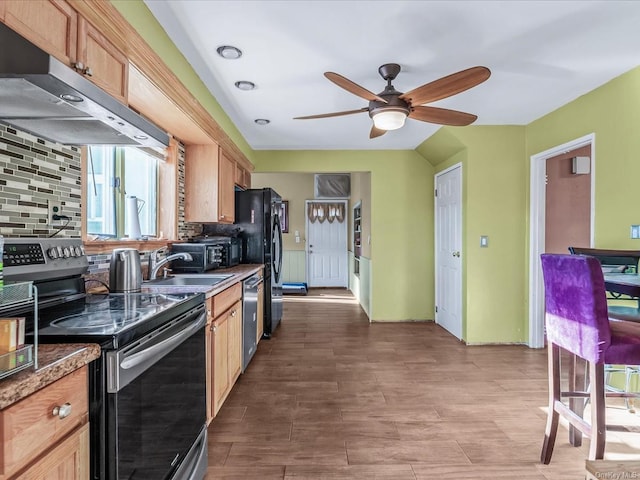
<point>262,121</point>
<point>245,85</point>
<point>229,52</point>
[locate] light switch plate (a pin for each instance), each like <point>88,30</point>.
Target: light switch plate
<point>635,231</point>
<point>484,241</point>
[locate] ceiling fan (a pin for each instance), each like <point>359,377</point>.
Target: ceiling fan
<point>390,108</point>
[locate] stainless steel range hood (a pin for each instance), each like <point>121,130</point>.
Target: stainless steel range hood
<point>41,95</point>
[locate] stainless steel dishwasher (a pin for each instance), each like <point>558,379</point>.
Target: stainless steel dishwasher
<point>249,318</point>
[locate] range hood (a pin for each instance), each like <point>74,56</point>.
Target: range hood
<point>43,96</point>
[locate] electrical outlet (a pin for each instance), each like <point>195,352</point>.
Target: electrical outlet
<point>54,209</point>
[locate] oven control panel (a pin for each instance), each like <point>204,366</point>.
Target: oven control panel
<point>42,258</point>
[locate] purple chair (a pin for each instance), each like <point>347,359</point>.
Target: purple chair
<point>577,322</point>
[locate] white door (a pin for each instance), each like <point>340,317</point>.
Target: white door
<point>327,251</point>
<point>448,232</point>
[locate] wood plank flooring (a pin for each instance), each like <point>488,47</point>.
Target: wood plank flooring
<point>331,396</point>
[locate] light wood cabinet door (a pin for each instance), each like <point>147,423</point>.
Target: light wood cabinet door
<point>208,342</point>
<point>226,190</point>
<point>201,183</point>
<point>220,330</point>
<point>104,64</point>
<point>243,177</point>
<point>69,460</point>
<point>235,343</point>
<point>260,313</point>
<point>50,24</point>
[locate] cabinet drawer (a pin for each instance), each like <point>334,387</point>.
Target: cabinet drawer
<point>29,427</point>
<point>226,299</point>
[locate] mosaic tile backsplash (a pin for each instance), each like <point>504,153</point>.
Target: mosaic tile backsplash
<point>32,173</point>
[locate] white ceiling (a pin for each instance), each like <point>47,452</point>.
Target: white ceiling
<point>542,54</point>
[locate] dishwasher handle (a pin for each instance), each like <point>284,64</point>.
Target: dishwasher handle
<point>252,282</point>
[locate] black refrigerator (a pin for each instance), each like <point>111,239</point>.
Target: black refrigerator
<point>258,216</point>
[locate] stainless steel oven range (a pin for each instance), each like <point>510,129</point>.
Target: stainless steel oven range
<point>147,391</point>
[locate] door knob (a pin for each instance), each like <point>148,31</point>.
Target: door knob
<point>456,254</point>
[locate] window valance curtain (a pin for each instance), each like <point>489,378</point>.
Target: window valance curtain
<point>321,211</point>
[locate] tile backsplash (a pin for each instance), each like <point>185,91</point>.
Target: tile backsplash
<point>32,173</point>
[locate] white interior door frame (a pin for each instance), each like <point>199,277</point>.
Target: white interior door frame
<point>458,331</point>
<point>537,200</point>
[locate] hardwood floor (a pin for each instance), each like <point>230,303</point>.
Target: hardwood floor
<point>331,396</point>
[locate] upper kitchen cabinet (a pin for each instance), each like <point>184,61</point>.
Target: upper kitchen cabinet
<point>226,192</point>
<point>101,61</point>
<point>56,27</point>
<point>243,177</point>
<point>209,185</point>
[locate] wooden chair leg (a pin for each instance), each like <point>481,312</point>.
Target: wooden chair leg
<point>577,383</point>
<point>598,412</point>
<point>553,416</point>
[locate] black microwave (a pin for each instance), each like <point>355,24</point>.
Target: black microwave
<point>205,257</point>
<point>231,249</point>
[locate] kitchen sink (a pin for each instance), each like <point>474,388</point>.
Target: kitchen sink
<point>188,280</point>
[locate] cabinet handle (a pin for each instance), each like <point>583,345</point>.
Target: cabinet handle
<point>62,411</point>
<point>221,217</point>
<point>214,329</point>
<point>78,66</point>
<point>88,72</point>
<point>233,314</point>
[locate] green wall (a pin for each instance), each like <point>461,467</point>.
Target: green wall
<point>494,204</point>
<point>612,112</point>
<point>401,222</point>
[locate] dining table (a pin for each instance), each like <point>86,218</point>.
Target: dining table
<point>624,284</point>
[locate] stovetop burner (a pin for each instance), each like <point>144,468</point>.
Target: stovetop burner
<point>89,321</point>
<point>108,318</point>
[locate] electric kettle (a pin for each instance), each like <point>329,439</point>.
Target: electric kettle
<point>125,273</point>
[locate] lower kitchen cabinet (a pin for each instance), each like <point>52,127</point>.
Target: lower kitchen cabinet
<point>224,346</point>
<point>46,435</point>
<point>69,460</point>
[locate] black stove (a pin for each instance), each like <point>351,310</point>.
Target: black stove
<point>147,391</point>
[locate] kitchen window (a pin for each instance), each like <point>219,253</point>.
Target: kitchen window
<point>112,175</point>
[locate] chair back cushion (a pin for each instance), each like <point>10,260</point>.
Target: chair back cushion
<point>576,305</point>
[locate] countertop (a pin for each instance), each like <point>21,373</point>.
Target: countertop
<point>239,272</point>
<point>54,362</point>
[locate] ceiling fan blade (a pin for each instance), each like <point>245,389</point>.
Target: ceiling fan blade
<point>376,132</point>
<point>447,86</point>
<point>442,116</point>
<point>333,114</point>
<point>352,87</point>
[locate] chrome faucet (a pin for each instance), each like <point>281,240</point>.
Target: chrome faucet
<point>155,265</point>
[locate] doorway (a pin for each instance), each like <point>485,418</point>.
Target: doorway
<point>327,259</point>
<point>448,246</point>
<point>537,227</point>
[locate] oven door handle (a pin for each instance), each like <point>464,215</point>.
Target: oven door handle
<point>125,366</point>
<point>156,351</point>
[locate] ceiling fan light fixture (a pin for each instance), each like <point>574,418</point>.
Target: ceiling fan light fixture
<point>262,121</point>
<point>389,119</point>
<point>229,52</point>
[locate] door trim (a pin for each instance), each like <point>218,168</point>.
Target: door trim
<point>435,242</point>
<point>537,202</point>
<point>345,280</point>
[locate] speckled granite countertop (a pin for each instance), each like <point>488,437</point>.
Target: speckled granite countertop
<point>54,362</point>
<point>239,272</point>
